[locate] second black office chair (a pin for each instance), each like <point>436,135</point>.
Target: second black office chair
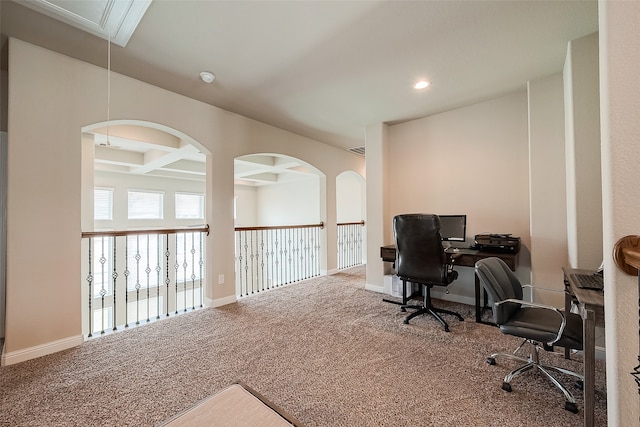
<point>539,325</point>
<point>420,259</point>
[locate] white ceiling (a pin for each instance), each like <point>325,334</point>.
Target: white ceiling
<point>326,69</point>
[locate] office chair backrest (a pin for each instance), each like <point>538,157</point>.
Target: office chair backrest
<point>501,284</point>
<point>420,257</point>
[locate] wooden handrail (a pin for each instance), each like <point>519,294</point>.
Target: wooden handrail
<point>632,257</point>
<point>280,227</point>
<point>200,229</point>
<point>626,254</point>
<point>352,223</point>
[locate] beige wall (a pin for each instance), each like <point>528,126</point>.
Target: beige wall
<point>582,136</point>
<point>51,98</point>
<point>619,105</point>
<point>377,189</point>
<point>547,188</point>
<point>473,161</point>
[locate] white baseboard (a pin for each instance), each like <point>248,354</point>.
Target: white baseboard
<point>29,353</point>
<point>219,302</point>
<point>374,288</point>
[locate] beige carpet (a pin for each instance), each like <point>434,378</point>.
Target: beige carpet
<point>325,350</point>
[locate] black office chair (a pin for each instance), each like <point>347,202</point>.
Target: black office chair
<point>538,324</point>
<point>420,259</point>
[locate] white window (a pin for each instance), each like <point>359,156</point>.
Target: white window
<point>189,206</point>
<point>145,204</point>
<point>103,203</point>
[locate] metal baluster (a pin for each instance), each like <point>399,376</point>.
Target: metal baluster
<point>299,253</point>
<point>262,261</point>
<point>288,255</point>
<point>317,253</point>
<point>158,272</point>
<point>167,281</point>
<point>193,271</point>
<point>176,267</point>
<point>306,250</point>
<point>201,267</point>
<point>252,259</point>
<point>148,272</point>
<point>184,271</point>
<point>90,280</point>
<point>126,282</point>
<point>138,257</point>
<point>114,276</point>
<point>269,258</point>
<point>340,248</point>
<point>238,249</point>
<point>246,262</point>
<point>278,235</point>
<point>103,291</point>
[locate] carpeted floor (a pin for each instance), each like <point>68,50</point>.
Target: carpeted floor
<point>325,350</point>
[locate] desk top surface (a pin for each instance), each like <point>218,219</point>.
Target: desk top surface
<point>464,257</point>
<point>590,297</point>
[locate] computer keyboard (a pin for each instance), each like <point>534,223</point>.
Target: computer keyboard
<point>589,281</point>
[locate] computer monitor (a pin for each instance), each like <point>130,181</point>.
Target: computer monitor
<point>453,228</point>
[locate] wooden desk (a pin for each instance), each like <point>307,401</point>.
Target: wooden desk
<point>464,258</point>
<point>591,304</point>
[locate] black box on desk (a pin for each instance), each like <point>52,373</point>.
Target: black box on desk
<point>500,243</point>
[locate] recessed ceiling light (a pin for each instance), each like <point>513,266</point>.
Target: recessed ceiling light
<point>422,84</point>
<point>207,77</point>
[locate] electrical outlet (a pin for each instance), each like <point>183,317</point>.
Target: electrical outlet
<point>220,279</point>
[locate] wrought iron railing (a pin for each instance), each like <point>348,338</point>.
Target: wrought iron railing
<point>268,257</point>
<point>140,275</point>
<point>350,244</point>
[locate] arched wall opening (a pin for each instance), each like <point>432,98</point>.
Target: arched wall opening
<point>279,205</point>
<point>148,178</point>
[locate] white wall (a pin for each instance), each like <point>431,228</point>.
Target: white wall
<point>584,179</point>
<point>289,203</point>
<point>378,223</point>
<point>351,200</point>
<point>51,98</point>
<point>619,46</point>
<point>246,206</point>
<point>473,161</point>
<point>547,188</point>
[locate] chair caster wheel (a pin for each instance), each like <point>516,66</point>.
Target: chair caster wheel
<point>404,310</point>
<point>571,407</point>
<point>507,387</point>
<point>405,321</point>
<point>580,384</point>
<point>491,360</point>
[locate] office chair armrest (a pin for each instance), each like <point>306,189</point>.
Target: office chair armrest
<point>543,306</point>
